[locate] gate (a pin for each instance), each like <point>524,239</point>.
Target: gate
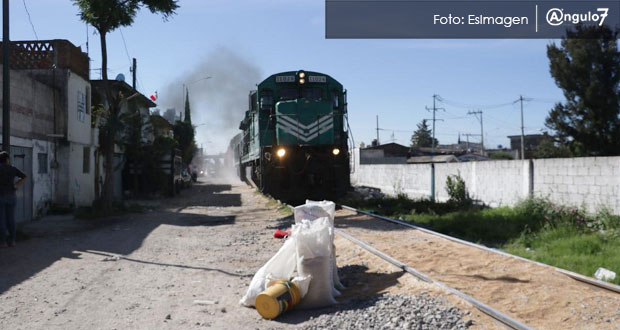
<point>21,158</point>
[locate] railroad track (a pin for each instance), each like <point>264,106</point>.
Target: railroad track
<point>604,285</point>
<point>501,317</point>
<point>496,314</point>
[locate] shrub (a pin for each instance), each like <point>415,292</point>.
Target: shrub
<point>455,187</point>
<point>502,155</point>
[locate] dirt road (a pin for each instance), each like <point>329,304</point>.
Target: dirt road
<point>145,271</point>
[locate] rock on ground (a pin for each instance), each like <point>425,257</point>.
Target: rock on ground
<point>392,311</point>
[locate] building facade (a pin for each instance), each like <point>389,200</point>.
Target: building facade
<point>52,137</point>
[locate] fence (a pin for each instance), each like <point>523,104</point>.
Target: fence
<point>591,182</point>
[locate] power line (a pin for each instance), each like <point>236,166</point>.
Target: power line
<point>125,44</point>
<point>469,106</point>
<point>30,20</point>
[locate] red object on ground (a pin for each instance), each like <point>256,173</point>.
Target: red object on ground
<point>282,233</point>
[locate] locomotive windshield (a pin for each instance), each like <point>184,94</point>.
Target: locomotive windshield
<point>266,100</point>
<point>312,93</point>
<point>289,93</point>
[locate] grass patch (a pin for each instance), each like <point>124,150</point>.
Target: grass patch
<point>536,229</point>
<point>570,248</point>
<point>276,204</point>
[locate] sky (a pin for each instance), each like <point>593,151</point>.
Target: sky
<point>236,44</point>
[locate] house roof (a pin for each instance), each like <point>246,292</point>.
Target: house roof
<point>48,54</point>
<point>160,122</point>
<point>526,136</point>
<point>126,89</point>
<point>432,159</point>
<point>388,145</point>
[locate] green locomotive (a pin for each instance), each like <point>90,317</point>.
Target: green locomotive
<point>294,144</point>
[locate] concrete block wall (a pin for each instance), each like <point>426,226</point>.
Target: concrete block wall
<point>443,170</point>
<point>590,182</point>
<point>499,183</point>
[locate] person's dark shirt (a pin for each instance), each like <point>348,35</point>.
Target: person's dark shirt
<point>8,174</point>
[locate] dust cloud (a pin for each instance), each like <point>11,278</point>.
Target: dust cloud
<point>218,103</point>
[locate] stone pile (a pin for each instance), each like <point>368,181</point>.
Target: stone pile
<point>389,311</point>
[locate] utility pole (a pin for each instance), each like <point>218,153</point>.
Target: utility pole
<point>476,113</point>
<point>467,135</point>
<point>522,132</point>
<point>133,71</point>
<point>434,109</point>
<point>521,99</point>
<point>6,79</point>
<point>377,129</point>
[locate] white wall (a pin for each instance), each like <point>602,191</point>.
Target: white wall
<point>43,183</point>
<point>81,185</point>
<point>77,131</point>
<point>591,182</point>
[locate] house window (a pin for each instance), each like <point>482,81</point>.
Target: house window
<point>42,157</point>
<point>86,160</point>
<point>81,105</point>
<point>87,100</point>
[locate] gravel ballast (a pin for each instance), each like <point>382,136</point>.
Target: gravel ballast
<point>392,311</point>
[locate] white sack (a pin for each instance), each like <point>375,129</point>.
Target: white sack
<point>280,266</point>
<point>314,259</point>
<point>313,210</point>
<point>302,283</point>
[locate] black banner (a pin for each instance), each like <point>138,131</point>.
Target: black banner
<point>465,19</point>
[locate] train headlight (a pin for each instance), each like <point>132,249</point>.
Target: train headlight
<point>302,75</point>
<point>336,151</point>
<point>302,81</point>
<point>281,152</point>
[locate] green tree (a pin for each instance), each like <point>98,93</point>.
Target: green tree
<point>423,136</point>
<point>188,113</point>
<point>586,66</point>
<point>551,149</point>
<point>106,16</point>
<point>184,135</point>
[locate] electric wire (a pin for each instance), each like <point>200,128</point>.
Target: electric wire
<point>30,20</point>
<point>138,82</point>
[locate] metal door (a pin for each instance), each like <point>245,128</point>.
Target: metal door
<point>22,159</point>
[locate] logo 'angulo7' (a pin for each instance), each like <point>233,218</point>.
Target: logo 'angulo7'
<point>557,17</point>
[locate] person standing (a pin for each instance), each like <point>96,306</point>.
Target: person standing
<point>8,186</point>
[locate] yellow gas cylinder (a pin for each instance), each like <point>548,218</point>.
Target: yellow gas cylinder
<point>280,296</point>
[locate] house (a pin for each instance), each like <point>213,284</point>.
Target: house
<point>52,139</point>
<point>135,99</point>
<point>161,127</point>
<point>432,159</point>
<point>531,141</point>
<point>132,103</point>
<point>389,153</point>
<point>392,149</point>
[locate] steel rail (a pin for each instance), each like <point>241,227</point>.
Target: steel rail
<point>497,315</point>
<point>575,276</point>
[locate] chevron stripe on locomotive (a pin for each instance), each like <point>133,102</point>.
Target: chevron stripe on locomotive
<point>294,144</point>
